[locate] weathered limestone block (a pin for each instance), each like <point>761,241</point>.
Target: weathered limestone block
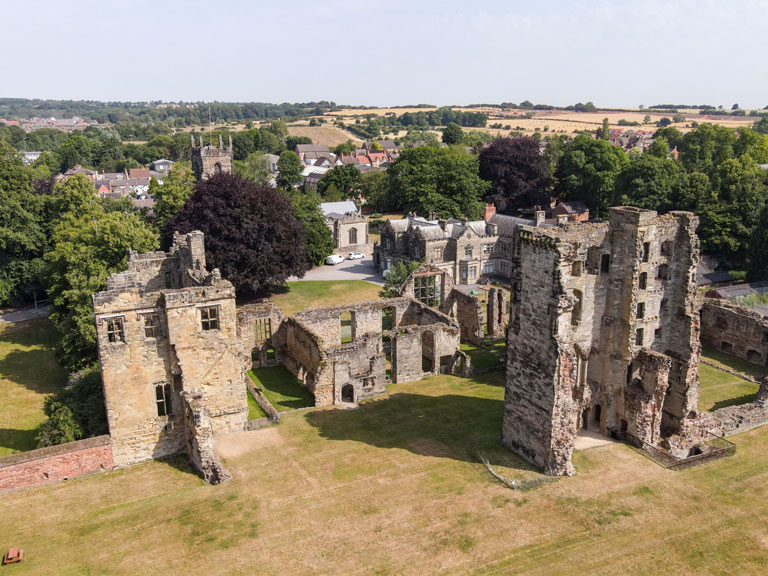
<point>199,427</point>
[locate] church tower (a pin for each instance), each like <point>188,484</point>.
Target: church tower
<point>210,160</point>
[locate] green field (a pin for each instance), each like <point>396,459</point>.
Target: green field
<point>28,374</point>
<point>296,296</point>
<point>719,389</point>
<point>282,389</point>
<point>394,487</point>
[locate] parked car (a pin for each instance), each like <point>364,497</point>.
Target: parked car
<point>334,259</point>
<point>355,256</point>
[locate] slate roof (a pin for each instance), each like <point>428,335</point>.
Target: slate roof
<point>506,225</point>
<point>575,207</point>
<point>328,208</point>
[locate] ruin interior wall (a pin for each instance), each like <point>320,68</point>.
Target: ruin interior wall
<point>735,330</point>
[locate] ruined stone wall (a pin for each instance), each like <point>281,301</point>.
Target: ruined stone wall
<point>200,430</point>
<point>735,330</point>
<point>253,348</point>
<point>138,364</point>
<point>497,315</point>
<point>62,462</point>
<point>362,365</point>
<point>467,311</point>
<point>602,286</point>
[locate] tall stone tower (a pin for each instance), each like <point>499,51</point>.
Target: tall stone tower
<point>210,160</point>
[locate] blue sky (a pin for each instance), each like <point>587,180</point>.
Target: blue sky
<point>615,53</point>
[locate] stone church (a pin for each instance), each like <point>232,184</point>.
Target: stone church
<point>210,160</point>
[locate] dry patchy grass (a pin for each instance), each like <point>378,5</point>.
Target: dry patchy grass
<point>297,296</point>
<point>394,488</point>
<point>324,135</point>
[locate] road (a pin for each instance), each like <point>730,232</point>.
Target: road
<point>21,314</point>
<point>347,270</point>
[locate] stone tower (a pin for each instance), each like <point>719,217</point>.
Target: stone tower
<point>210,160</point>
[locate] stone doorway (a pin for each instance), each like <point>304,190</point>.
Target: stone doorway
<point>348,393</point>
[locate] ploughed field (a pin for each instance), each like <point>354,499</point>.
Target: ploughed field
<point>395,487</point>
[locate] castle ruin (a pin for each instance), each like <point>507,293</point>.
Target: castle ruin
<point>210,160</point>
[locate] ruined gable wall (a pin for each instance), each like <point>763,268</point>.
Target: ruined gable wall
<point>533,356</point>
<point>129,371</point>
<point>209,360</point>
<point>467,311</point>
<point>254,352</point>
<point>361,364</point>
<point>735,330</point>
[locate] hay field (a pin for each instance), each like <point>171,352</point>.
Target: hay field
<point>328,135</point>
<point>395,488</point>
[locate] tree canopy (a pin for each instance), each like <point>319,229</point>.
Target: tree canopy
<point>518,173</point>
<point>440,180</point>
<point>345,178</point>
<point>251,232</point>
<point>289,169</point>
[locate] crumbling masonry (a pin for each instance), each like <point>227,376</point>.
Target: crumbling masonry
<point>169,356</point>
<point>604,333</point>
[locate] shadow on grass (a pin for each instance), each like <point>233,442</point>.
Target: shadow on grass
<point>746,399</point>
<point>282,389</point>
<point>17,440</point>
<point>448,426</point>
<point>34,368</point>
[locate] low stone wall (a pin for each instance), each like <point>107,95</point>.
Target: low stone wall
<point>272,414</point>
<point>62,462</point>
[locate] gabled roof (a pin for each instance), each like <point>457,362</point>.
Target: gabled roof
<point>139,173</point>
<point>317,148</point>
<point>506,225</point>
<point>328,208</point>
<point>575,207</point>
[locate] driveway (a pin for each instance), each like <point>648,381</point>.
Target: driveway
<point>21,314</point>
<point>348,270</point>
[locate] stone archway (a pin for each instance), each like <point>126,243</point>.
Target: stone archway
<point>348,393</point>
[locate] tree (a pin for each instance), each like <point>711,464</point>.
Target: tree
<point>757,254</point>
<point>374,189</point>
<point>588,170</point>
<point>256,167</point>
<point>604,132</point>
<point>453,134</point>
<point>518,173</point>
<point>761,125</point>
<point>22,237</point>
<point>319,239</point>
<point>440,180</point>
<point>646,119</point>
<point>76,150</point>
<point>397,276</point>
<point>75,412</point>
<point>375,146</point>
<point>659,148</point>
<point>648,181</point>
<point>663,122</point>
<point>735,107</point>
<point>345,178</point>
<point>344,149</point>
<point>678,118</point>
<point>289,169</point>
<point>88,244</point>
<point>173,193</point>
<point>252,234</point>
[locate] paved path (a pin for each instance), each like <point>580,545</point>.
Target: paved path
<point>587,439</point>
<point>348,270</point>
<point>21,314</point>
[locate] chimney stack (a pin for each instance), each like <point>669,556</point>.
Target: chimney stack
<point>562,220</point>
<point>540,217</point>
<point>490,210</point>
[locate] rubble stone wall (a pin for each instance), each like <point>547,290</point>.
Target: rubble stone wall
<point>735,330</point>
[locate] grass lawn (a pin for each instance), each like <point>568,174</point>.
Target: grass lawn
<point>282,389</point>
<point>485,358</point>
<point>300,295</point>
<point>28,374</point>
<point>719,389</point>
<point>715,355</point>
<point>394,488</point>
<point>254,410</point>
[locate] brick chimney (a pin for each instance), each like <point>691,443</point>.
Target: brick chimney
<point>490,210</point>
<point>541,215</point>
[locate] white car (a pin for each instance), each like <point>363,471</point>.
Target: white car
<point>334,259</point>
<point>355,256</point>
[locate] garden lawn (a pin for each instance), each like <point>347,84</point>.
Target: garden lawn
<point>297,296</point>
<point>254,410</point>
<point>486,358</point>
<point>28,374</point>
<point>395,488</point>
<point>282,389</point>
<point>715,355</point>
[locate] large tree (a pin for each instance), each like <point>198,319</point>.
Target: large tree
<point>251,232</point>
<point>587,172</point>
<point>453,134</point>
<point>173,193</point>
<point>443,181</point>
<point>648,181</point>
<point>88,245</point>
<point>319,239</point>
<point>289,170</point>
<point>518,173</point>
<point>757,263</point>
<point>346,178</point>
